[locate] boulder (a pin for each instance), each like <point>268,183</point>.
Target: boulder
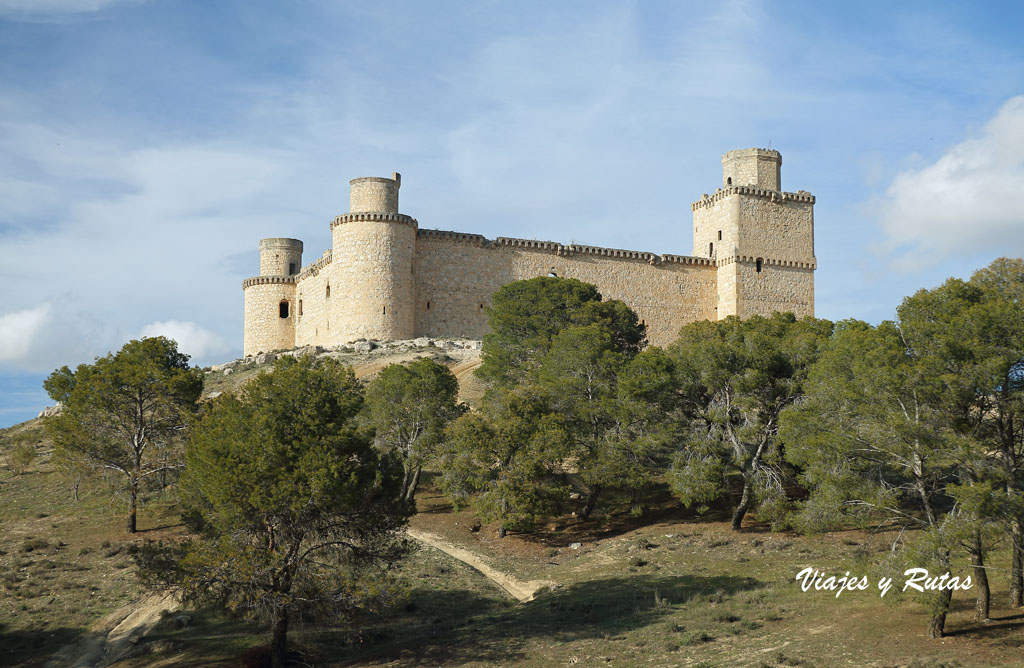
<point>364,346</point>
<point>50,411</point>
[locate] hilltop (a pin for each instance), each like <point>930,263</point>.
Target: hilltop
<point>670,588</point>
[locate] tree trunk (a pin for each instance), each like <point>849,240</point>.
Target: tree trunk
<point>591,503</point>
<point>279,641</point>
<point>1017,565</point>
<point>412,483</point>
<point>133,505</point>
<point>937,626</point>
<point>741,509</point>
<point>983,599</point>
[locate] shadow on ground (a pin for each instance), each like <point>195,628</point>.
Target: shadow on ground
<point>484,632</point>
<point>33,647</point>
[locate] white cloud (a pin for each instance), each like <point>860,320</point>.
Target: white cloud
<point>200,343</point>
<point>966,202</point>
<point>19,330</point>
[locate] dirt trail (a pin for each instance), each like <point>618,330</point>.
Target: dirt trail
<point>116,634</point>
<point>518,589</point>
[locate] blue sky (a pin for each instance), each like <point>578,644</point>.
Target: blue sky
<point>146,146</point>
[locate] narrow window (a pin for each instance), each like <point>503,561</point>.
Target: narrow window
<point>328,292</point>
<point>428,306</point>
<point>759,261</point>
<point>719,235</point>
<point>385,310</point>
<point>711,249</point>
<point>728,181</point>
<point>481,307</point>
<point>283,309</point>
<point>300,307</point>
<point>291,268</point>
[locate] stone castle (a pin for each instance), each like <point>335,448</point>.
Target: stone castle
<point>385,278</point>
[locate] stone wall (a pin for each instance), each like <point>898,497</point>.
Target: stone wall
<point>265,330</point>
<point>456,274</point>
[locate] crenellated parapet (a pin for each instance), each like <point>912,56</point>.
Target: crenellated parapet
<point>318,266</point>
<point>765,261</point>
<point>562,250</point>
<point>374,216</point>
<point>268,280</point>
<point>458,237</point>
<point>770,195</point>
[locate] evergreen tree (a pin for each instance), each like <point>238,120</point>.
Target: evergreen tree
<point>506,460</point>
<point>525,316</point>
<point>409,406</point>
<point>736,377</point>
<point>297,509</point>
<point>126,412</point>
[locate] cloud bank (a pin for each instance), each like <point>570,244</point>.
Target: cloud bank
<point>196,341</point>
<point>967,201</point>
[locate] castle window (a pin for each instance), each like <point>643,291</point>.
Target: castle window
<point>300,307</point>
<point>291,268</point>
<point>728,181</point>
<point>385,310</point>
<point>328,292</point>
<point>711,249</point>
<point>719,235</point>
<point>428,306</point>
<point>759,262</point>
<point>481,307</point>
<point>282,309</point>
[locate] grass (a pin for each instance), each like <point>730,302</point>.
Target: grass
<point>63,564</point>
<point>665,589</point>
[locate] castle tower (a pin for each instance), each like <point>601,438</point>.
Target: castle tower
<point>270,297</point>
<point>760,237</point>
<point>372,270</point>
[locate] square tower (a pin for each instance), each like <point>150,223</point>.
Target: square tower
<point>760,237</point>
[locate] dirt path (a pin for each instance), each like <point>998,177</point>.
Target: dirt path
<point>518,589</point>
<point>115,635</point>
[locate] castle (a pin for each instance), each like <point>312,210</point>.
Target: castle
<point>386,279</point>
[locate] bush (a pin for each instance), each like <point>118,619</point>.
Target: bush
<point>20,456</point>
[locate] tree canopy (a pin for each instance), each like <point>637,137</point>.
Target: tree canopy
<point>409,406</point>
<point>296,507</point>
<point>524,317</point>
<point>126,412</point>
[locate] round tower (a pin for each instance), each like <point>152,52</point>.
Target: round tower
<point>280,257</point>
<point>373,249</point>
<point>270,310</point>
<point>757,167</point>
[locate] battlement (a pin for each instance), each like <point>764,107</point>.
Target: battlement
<point>771,195</point>
<point>268,280</point>
<point>375,216</point>
<point>563,250</point>
<point>765,261</point>
<point>315,268</point>
<point>461,237</point>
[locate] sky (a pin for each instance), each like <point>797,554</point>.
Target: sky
<point>147,145</point>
